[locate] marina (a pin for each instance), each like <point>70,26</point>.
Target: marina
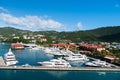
<point>59,40</point>
<point>3,66</point>
<point>53,65</point>
<point>28,67</point>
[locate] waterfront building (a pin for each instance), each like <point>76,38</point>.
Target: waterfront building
<point>17,46</point>
<point>110,58</point>
<point>91,46</point>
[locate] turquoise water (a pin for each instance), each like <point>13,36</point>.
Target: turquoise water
<point>33,56</point>
<point>57,75</point>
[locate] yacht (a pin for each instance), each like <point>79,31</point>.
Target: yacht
<point>76,57</point>
<point>91,64</point>
<point>55,63</point>
<point>9,58</point>
<point>97,63</point>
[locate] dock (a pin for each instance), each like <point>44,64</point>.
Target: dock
<point>2,63</point>
<point>58,68</point>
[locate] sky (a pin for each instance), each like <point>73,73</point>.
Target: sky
<point>59,15</point>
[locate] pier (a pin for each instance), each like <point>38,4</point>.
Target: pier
<point>58,68</point>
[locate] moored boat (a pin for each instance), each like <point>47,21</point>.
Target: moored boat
<point>55,63</point>
<point>97,63</point>
<point>76,57</point>
<point>9,58</point>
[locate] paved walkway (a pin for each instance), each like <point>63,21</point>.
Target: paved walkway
<point>58,69</point>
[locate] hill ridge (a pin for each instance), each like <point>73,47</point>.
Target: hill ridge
<point>110,33</point>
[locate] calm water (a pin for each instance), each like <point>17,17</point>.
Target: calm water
<point>32,57</point>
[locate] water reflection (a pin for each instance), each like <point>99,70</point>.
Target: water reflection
<point>58,74</point>
<point>77,64</point>
<point>101,73</point>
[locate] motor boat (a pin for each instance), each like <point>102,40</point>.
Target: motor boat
<point>91,64</point>
<point>55,63</point>
<point>97,63</point>
<point>76,57</point>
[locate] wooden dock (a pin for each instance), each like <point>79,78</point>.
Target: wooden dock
<point>58,69</point>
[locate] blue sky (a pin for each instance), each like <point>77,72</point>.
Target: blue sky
<point>60,15</point>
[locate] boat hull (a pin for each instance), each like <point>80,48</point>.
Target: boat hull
<point>9,63</point>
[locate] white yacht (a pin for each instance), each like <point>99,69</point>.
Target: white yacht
<point>47,50</point>
<point>76,57</point>
<point>91,64</point>
<point>55,63</point>
<point>97,63</point>
<point>9,58</point>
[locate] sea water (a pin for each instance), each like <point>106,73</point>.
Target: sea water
<point>28,56</point>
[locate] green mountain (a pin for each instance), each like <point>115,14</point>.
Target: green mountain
<point>107,33</point>
<point>8,31</point>
<point>111,33</point>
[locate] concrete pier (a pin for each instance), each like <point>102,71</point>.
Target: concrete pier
<point>58,69</point>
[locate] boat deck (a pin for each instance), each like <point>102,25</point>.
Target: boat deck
<point>2,63</point>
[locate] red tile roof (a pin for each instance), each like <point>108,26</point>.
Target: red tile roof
<point>17,45</point>
<point>110,57</point>
<point>64,45</point>
<point>91,46</point>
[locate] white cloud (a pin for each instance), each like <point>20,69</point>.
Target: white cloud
<point>79,25</point>
<point>3,9</point>
<point>33,22</point>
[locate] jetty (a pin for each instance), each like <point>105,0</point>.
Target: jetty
<point>58,68</point>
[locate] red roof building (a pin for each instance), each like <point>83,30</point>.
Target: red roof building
<point>111,57</point>
<point>64,45</point>
<point>17,46</point>
<point>91,46</point>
